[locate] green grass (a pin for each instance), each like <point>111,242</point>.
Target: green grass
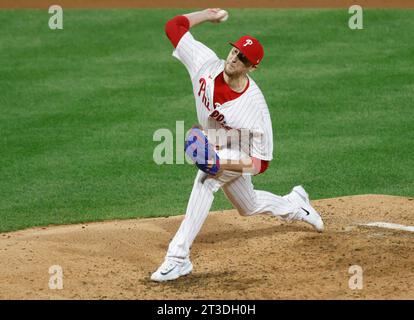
<point>79,106</point>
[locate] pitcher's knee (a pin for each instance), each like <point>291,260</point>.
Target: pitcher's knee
<point>212,185</point>
<point>245,212</point>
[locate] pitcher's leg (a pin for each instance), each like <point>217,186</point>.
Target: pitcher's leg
<point>293,206</point>
<point>198,207</point>
<point>248,201</point>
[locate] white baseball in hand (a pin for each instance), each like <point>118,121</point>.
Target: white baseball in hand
<point>223,14</point>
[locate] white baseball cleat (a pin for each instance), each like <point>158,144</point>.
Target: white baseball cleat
<point>171,270</point>
<point>305,212</point>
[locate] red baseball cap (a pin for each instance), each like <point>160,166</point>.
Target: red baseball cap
<point>251,48</point>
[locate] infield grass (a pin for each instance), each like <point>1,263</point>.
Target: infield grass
<point>79,107</point>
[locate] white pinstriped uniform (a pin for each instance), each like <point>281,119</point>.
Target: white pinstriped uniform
<point>248,111</point>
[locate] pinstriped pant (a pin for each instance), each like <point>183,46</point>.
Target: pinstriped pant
<point>239,190</point>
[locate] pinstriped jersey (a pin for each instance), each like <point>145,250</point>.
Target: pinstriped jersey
<point>248,112</point>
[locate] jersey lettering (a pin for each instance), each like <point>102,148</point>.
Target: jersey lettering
<point>202,90</point>
<point>220,119</point>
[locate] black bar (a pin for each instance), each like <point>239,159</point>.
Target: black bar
<point>207,309</point>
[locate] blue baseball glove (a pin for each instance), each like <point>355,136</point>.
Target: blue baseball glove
<point>201,151</point>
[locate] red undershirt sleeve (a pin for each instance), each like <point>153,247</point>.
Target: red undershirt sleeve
<point>260,165</point>
<point>176,28</point>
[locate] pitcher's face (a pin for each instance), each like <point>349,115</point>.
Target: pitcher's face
<point>237,63</point>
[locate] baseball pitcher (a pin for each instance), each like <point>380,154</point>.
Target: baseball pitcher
<point>227,101</point>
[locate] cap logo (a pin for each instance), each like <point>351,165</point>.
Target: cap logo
<point>248,43</point>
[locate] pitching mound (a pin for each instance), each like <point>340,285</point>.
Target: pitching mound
<point>234,257</point>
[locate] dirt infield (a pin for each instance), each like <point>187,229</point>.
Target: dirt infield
<point>206,3</point>
<point>234,257</point>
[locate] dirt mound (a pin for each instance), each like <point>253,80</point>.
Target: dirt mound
<point>234,257</point>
